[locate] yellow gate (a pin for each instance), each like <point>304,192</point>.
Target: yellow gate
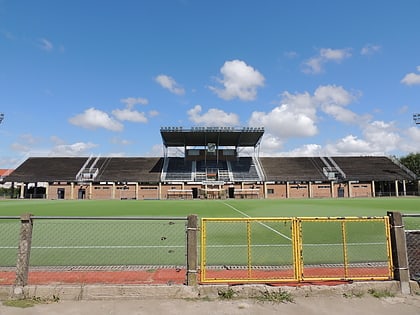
<point>272,250</point>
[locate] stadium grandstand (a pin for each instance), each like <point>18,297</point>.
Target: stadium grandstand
<point>211,163</point>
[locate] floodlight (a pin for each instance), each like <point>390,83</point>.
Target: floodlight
<point>416,119</point>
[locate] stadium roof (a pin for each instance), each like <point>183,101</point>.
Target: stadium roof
<point>221,136</point>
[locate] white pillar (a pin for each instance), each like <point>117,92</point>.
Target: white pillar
<point>396,188</point>
<point>373,189</point>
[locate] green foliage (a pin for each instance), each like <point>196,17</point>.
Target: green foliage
<point>30,302</point>
<point>226,294</point>
<point>279,296</point>
<point>380,293</point>
<point>412,162</point>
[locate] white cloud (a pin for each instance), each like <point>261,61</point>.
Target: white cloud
<point>305,150</point>
<point>131,101</point>
<point>316,64</point>
<point>239,81</point>
<point>351,145</point>
<point>412,140</point>
<point>75,149</point>
<point>382,135</point>
<point>93,118</point>
<point>170,84</point>
<point>153,113</point>
<point>119,141</point>
<point>213,117</point>
<point>370,49</point>
<point>129,115</point>
<point>45,44</point>
<point>412,78</point>
<point>285,122</point>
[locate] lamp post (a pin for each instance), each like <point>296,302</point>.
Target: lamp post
<point>416,119</point>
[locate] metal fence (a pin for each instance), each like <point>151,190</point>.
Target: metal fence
<point>295,249</point>
<point>35,243</point>
<point>411,224</point>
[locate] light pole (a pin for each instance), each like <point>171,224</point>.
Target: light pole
<point>416,119</point>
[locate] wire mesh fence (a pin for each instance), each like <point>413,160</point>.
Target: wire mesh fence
<point>249,250</point>
<point>345,248</point>
<point>9,241</point>
<point>295,249</point>
<point>108,242</point>
<point>411,224</point>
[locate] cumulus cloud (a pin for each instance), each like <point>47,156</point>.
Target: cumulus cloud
<point>316,64</point>
<point>412,78</point>
<point>239,80</point>
<point>75,149</point>
<point>351,145</point>
<point>93,118</point>
<point>170,84</point>
<point>127,114</point>
<point>297,114</point>
<point>285,122</point>
<point>131,101</point>
<point>370,49</point>
<point>213,117</point>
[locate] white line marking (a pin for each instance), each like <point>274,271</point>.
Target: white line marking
<point>263,224</point>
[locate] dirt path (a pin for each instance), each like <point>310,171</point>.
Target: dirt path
<point>401,305</point>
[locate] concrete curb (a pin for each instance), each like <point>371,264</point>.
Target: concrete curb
<point>164,292</point>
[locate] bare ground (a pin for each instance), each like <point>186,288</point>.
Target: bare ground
<point>401,305</point>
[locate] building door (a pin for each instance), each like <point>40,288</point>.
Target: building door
<point>60,193</point>
<point>194,192</point>
<point>81,193</point>
<point>340,192</point>
<point>231,192</point>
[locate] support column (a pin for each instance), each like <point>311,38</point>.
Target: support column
<point>310,189</point>
<point>396,188</point>
<point>137,191</point>
<point>22,190</point>
<point>373,189</point>
<point>47,190</point>
<point>90,190</point>
<point>404,188</point>
<point>265,190</point>
<point>71,190</point>
<point>113,191</point>
<point>350,192</point>
<point>160,191</point>
<point>332,189</point>
<point>287,190</point>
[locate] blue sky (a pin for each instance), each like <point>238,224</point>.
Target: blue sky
<point>80,78</point>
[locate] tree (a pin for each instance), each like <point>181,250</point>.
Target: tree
<point>412,162</point>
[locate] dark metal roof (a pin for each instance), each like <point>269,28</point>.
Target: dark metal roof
<point>221,136</point>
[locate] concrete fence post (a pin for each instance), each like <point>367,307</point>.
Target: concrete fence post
<point>192,250</point>
<point>22,264</point>
<point>399,251</point>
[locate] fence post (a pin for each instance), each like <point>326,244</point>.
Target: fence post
<point>192,250</point>
<point>22,264</point>
<point>399,251</point>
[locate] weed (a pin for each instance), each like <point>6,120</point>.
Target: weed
<point>226,294</point>
<point>380,293</point>
<point>353,294</point>
<point>29,302</point>
<point>279,296</point>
